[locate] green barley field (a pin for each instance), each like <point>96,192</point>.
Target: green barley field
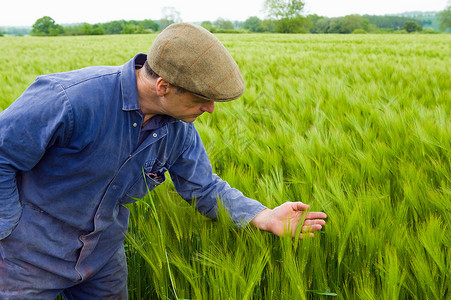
<point>357,126</point>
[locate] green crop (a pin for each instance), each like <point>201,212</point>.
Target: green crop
<point>356,126</point>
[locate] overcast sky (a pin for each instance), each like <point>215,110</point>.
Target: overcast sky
<point>26,12</point>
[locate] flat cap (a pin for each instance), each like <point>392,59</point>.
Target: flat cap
<point>191,57</point>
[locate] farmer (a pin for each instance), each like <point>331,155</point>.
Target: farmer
<point>76,146</point>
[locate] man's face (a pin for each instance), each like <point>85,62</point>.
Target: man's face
<point>186,106</point>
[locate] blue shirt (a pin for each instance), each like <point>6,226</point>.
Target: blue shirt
<point>70,156</point>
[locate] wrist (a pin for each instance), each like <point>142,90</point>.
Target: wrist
<point>261,219</point>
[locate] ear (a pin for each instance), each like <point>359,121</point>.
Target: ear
<point>162,87</point>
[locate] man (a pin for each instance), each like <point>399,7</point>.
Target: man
<point>76,146</point>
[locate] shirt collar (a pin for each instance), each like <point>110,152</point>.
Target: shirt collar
<point>128,83</point>
<point>157,121</point>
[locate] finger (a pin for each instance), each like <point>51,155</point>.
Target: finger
<point>309,228</point>
<point>315,215</point>
<point>299,206</point>
<point>315,222</point>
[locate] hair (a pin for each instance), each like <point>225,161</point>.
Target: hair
<point>151,73</point>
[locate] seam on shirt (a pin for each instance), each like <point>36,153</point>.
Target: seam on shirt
<point>70,114</point>
<point>89,79</point>
<point>66,101</point>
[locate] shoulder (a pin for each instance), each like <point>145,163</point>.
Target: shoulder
<point>88,87</point>
<point>85,76</point>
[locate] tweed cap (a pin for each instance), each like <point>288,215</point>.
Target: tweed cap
<point>191,57</point>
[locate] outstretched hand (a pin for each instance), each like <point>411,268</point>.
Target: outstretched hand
<point>284,219</point>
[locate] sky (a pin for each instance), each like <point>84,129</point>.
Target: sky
<point>26,12</point>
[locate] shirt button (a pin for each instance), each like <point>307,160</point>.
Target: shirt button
<point>135,124</point>
<point>154,135</point>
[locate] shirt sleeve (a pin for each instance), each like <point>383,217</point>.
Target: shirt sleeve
<point>39,118</point>
<point>194,180</point>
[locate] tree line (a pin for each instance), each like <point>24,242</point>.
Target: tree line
<point>46,26</point>
<point>344,25</point>
<point>284,17</point>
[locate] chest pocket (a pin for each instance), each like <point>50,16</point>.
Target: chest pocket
<point>151,175</point>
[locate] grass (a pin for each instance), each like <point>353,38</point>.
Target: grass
<point>356,126</point>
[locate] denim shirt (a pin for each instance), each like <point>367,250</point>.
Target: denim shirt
<point>69,160</point>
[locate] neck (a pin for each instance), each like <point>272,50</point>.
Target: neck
<point>147,96</point>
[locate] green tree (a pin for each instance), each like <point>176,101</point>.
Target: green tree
<point>313,19</point>
<point>208,25</point>
<point>220,23</point>
<point>253,24</point>
<point>269,25</point>
<point>445,18</point>
<point>394,22</point>
<point>351,23</point>
<point>288,15</point>
<point>86,29</point>
<point>292,25</point>
<point>97,29</point>
<point>238,24</point>
<point>321,26</point>
<point>411,26</point>
<point>132,29</point>
<point>114,27</point>
<point>284,9</point>
<point>149,25</point>
<point>46,26</point>
<point>370,27</point>
<point>335,25</point>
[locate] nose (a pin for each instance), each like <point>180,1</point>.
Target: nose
<point>208,107</point>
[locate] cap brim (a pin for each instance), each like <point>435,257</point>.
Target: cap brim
<point>211,99</point>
